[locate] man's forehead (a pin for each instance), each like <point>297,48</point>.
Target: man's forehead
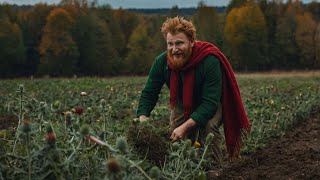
<point>176,37</point>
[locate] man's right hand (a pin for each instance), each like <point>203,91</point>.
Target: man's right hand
<point>141,119</point>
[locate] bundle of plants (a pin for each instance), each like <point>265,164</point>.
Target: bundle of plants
<point>151,140</point>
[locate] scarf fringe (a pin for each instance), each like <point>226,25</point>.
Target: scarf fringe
<point>234,149</point>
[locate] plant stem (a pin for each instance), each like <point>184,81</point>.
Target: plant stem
<point>140,169</point>
<point>181,171</point>
<point>104,125</point>
<point>29,156</point>
<point>73,153</point>
<point>202,158</point>
<point>20,119</point>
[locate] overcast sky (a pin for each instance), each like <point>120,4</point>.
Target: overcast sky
<point>138,3</point>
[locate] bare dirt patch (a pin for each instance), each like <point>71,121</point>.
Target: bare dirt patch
<point>8,121</point>
<point>296,155</point>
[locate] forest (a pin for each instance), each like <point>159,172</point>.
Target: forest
<point>80,38</point>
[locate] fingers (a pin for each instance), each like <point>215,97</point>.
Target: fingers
<point>135,120</point>
<point>175,137</point>
<point>141,119</point>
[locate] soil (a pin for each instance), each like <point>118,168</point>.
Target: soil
<point>296,155</point>
<point>8,121</point>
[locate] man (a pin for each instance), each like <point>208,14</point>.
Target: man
<point>203,90</point>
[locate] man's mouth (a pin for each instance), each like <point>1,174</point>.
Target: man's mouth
<point>177,54</point>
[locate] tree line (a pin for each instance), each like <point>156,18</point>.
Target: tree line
<point>79,38</point>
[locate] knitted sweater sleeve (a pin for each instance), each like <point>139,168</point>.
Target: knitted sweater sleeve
<point>210,92</point>
<point>150,93</point>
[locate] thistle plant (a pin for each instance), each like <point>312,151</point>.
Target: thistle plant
<point>106,116</point>
<point>76,149</point>
<point>42,112</point>
<point>26,131</point>
<point>21,101</point>
<point>186,161</point>
<point>128,165</point>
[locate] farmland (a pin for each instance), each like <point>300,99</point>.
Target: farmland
<point>60,121</point>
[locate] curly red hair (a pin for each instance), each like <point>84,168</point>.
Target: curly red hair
<point>178,24</point>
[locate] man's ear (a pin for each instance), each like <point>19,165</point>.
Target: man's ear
<point>192,43</point>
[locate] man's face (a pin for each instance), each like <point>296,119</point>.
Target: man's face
<point>179,49</point>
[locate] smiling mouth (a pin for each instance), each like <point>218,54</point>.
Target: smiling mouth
<point>177,54</point>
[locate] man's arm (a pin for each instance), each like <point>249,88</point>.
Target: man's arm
<point>150,94</point>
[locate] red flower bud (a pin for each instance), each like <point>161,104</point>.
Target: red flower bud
<point>113,166</point>
<point>78,110</point>
<point>50,137</point>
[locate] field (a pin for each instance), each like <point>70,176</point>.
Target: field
<point>82,129</point>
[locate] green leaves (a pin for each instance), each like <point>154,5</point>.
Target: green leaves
<point>273,105</point>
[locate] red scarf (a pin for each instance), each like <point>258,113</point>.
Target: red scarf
<point>235,121</point>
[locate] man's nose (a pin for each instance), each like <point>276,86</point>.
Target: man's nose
<point>174,49</point>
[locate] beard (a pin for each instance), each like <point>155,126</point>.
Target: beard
<point>179,60</point>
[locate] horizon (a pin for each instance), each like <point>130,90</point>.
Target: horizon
<point>138,4</point>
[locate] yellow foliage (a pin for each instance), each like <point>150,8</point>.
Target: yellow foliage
<point>241,20</point>
<point>305,38</point>
<point>317,47</point>
<point>56,37</point>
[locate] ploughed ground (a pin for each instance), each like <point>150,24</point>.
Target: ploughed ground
<point>296,155</point>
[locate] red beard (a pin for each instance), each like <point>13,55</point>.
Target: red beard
<point>179,60</point>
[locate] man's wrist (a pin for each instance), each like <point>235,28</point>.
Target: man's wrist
<point>189,124</point>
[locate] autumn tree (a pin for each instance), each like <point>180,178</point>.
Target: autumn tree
<point>305,38</point>
<point>287,48</point>
<point>314,8</point>
<point>118,39</point>
<point>272,11</point>
<point>128,21</point>
<point>80,3</point>
<point>246,35</point>
<point>32,22</point>
<point>208,23</point>
<point>158,43</point>
<point>174,11</point>
<point>11,47</point>
<point>235,4</point>
<point>93,38</point>
<point>59,52</point>
<point>139,58</point>
<point>317,46</point>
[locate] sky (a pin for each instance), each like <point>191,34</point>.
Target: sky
<point>115,4</point>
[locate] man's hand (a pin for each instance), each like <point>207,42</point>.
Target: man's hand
<point>181,131</point>
<point>141,118</point>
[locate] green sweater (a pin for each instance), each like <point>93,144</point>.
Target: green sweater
<point>206,93</point>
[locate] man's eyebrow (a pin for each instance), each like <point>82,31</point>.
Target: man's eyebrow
<point>178,41</point>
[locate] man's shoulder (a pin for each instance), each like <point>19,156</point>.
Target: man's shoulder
<point>210,60</point>
<point>162,58</point>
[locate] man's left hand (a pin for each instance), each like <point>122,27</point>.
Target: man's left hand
<point>181,131</point>
<point>178,133</point>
